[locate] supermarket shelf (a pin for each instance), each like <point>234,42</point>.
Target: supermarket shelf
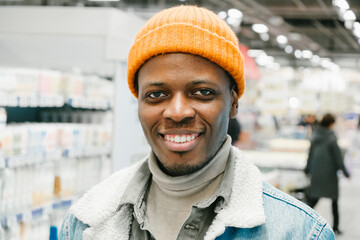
<point>29,159</point>
<point>87,152</point>
<point>32,101</point>
<point>35,213</point>
<point>87,103</point>
<point>54,101</point>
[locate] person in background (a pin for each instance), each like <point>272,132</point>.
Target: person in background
<point>234,130</point>
<point>324,161</point>
<point>310,123</point>
<point>187,73</point>
<point>313,122</point>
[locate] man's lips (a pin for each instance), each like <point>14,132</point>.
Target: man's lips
<point>180,142</point>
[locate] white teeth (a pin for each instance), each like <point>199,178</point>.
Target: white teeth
<point>180,138</point>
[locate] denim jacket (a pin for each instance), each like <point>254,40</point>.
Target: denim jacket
<point>256,210</point>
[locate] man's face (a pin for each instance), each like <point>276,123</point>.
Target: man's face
<point>184,107</point>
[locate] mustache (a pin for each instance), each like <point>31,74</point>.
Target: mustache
<point>186,123</point>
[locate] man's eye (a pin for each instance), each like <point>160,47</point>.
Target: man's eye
<point>155,95</point>
<point>204,92</point>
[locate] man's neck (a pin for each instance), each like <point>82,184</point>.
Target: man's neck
<point>173,197</point>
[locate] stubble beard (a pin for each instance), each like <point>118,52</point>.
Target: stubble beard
<point>176,170</point>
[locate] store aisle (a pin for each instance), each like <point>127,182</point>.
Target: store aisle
<point>349,207</point>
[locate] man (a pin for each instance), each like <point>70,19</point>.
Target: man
<point>187,72</point>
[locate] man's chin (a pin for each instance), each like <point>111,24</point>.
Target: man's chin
<point>177,170</point>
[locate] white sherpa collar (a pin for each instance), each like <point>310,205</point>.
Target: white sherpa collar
<point>245,208</point>
<point>98,208</point>
<point>102,201</point>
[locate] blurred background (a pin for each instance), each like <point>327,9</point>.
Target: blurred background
<point>68,120</point>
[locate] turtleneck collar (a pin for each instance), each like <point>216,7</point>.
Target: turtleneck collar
<point>214,168</point>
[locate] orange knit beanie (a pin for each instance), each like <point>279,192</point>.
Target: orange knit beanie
<point>188,29</point>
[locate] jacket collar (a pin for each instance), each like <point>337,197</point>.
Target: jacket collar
<point>99,207</point>
<point>245,208</point>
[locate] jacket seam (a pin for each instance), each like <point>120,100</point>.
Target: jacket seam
<point>320,231</point>
<point>67,227</point>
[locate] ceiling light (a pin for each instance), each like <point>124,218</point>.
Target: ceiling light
<point>231,21</point>
<point>260,28</point>
<point>235,22</point>
<point>349,24</point>
<point>234,13</point>
<point>261,61</point>
<point>294,102</point>
<point>276,21</point>
<point>234,17</point>
<point>356,25</point>
<point>294,36</point>
<point>281,39</point>
<point>298,53</point>
<point>288,49</point>
<point>356,32</point>
<point>265,37</point>
<point>255,52</point>
<point>349,15</point>
<point>222,15</point>
<point>325,62</point>
<point>307,54</point>
<point>315,59</point>
<point>343,4</point>
<point>264,60</point>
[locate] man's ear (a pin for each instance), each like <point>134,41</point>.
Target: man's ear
<point>234,104</point>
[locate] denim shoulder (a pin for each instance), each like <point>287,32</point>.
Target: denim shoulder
<point>72,228</point>
<point>289,218</point>
<point>286,218</point>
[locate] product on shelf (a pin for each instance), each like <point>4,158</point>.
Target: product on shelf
<point>48,88</point>
<point>46,166</point>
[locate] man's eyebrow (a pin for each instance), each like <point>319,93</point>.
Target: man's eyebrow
<point>154,84</point>
<point>200,81</point>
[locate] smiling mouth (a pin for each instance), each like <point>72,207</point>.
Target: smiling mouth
<point>181,142</point>
<point>180,138</point>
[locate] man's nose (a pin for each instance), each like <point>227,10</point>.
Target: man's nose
<point>179,108</point>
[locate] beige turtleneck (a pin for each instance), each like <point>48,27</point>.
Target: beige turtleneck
<point>170,199</point>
